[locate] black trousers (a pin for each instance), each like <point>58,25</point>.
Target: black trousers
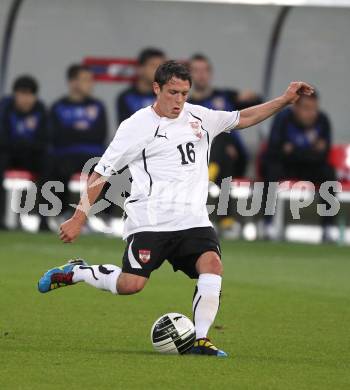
<point>317,173</point>
<point>230,165</point>
<point>62,168</point>
<point>20,158</point>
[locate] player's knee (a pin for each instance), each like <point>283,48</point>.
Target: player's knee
<point>215,265</point>
<point>130,288</point>
<point>210,263</point>
<point>130,285</point>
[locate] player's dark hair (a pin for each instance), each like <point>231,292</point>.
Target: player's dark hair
<point>25,83</point>
<point>74,70</point>
<point>170,69</point>
<point>200,57</point>
<point>148,53</point>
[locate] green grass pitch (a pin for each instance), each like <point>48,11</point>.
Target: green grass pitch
<point>284,320</point>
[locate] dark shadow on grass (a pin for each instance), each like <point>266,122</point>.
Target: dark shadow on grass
<point>140,353</point>
<point>119,352</point>
<point>301,361</point>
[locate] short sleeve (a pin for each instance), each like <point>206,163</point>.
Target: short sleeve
<point>215,121</point>
<point>126,146</point>
<point>221,121</point>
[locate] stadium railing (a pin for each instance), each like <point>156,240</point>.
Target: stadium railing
<point>339,159</point>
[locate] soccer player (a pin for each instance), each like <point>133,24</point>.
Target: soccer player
<point>167,148</point>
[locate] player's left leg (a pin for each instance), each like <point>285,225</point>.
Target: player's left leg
<point>197,254</point>
<point>206,301</point>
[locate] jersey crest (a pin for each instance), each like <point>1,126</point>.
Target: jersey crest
<point>196,129</point>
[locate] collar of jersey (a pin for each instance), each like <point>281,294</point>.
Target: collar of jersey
<point>165,118</point>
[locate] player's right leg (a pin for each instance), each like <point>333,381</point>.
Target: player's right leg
<point>107,277</point>
<point>142,255</point>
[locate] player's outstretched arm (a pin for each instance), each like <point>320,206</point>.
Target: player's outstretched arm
<point>256,114</point>
<point>70,229</point>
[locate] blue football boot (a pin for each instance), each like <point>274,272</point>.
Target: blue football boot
<point>59,276</point>
<point>205,347</point>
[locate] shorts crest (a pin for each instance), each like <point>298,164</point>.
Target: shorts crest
<point>144,255</point>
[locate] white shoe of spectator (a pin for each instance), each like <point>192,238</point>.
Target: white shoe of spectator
<point>270,232</point>
<point>328,235</point>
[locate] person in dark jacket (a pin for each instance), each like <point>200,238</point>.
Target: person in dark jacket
<point>78,127</point>
<point>229,156</point>
<point>298,147</point>
<point>203,92</point>
<point>140,94</point>
<point>23,130</point>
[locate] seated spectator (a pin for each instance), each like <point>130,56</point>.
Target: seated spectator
<point>140,94</point>
<point>78,127</point>
<point>229,156</point>
<point>298,147</point>
<point>23,130</point>
<point>204,94</point>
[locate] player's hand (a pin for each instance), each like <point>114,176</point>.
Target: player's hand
<point>321,145</point>
<point>70,230</point>
<point>296,89</point>
<point>288,148</point>
<point>231,152</point>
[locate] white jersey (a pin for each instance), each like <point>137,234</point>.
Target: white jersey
<point>168,160</point>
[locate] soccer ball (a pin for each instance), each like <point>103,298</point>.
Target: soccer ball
<point>173,333</point>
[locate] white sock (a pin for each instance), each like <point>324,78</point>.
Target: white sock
<point>103,277</point>
<point>206,302</point>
